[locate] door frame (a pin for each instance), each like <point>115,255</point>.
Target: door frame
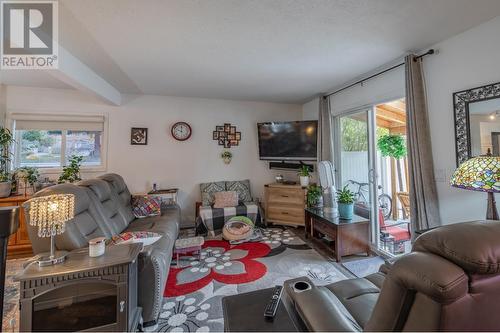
<point>370,112</point>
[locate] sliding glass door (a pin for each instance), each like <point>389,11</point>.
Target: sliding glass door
<point>355,156</point>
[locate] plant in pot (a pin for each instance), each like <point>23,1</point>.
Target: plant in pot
<point>314,196</point>
<point>345,199</point>
<point>6,141</point>
<point>226,156</point>
<point>71,171</point>
<point>28,176</point>
<point>304,175</point>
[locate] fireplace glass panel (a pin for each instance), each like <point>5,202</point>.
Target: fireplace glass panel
<point>76,307</point>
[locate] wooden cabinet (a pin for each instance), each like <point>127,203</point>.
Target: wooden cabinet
<point>284,204</point>
<point>19,243</point>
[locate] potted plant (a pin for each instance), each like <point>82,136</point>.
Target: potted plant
<point>71,172</point>
<point>6,141</point>
<point>226,156</point>
<point>314,195</point>
<point>29,177</point>
<point>304,175</point>
<point>345,199</point>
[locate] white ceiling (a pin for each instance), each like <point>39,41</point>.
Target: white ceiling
<point>265,50</point>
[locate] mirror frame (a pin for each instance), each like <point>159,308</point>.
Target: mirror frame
<point>461,101</point>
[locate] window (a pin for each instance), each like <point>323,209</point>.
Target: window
<point>48,141</point>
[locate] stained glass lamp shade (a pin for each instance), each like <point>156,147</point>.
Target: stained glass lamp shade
<point>481,173</point>
<point>50,214</point>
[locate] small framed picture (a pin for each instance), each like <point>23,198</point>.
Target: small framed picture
<point>139,136</point>
<point>221,141</point>
<point>227,128</point>
<point>234,142</point>
<point>216,135</point>
<point>227,144</point>
<point>238,136</point>
<point>232,130</point>
<point>222,134</point>
<point>219,128</point>
<point>231,136</point>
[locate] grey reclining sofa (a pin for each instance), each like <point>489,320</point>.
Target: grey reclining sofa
<point>103,209</point>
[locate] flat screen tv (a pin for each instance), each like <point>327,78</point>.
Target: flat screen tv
<point>293,140</point>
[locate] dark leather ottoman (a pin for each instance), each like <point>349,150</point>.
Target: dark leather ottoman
<point>245,313</point>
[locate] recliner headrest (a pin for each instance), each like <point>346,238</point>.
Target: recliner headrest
<point>99,187</point>
<point>82,200</point>
<point>474,246</point>
<point>115,180</point>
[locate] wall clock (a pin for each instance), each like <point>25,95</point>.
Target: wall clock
<point>181,131</point>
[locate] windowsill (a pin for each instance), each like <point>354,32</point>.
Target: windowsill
<point>53,171</point>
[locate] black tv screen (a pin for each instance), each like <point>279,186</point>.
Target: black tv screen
<point>294,140</point>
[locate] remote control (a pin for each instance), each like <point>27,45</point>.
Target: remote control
<point>273,303</point>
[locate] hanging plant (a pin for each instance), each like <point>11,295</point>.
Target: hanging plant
<point>392,146</point>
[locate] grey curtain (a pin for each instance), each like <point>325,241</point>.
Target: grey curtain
<point>325,144</point>
<point>424,205</point>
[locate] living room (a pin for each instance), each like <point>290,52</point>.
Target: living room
<point>193,97</point>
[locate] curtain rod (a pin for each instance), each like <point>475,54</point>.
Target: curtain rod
<point>431,51</point>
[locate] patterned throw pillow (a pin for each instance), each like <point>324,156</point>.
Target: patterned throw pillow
<point>208,190</point>
<point>145,205</point>
<point>226,199</point>
<point>144,237</point>
<point>243,189</point>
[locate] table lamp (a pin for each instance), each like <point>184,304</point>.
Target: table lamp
<point>50,214</point>
<point>481,173</point>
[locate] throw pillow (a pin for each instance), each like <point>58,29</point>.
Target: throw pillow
<point>242,187</point>
<point>145,205</point>
<point>144,237</point>
<point>208,190</point>
<point>226,199</point>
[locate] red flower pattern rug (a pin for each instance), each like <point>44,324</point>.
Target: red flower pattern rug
<point>194,291</point>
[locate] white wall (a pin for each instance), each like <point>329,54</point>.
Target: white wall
<point>164,160</point>
<point>3,103</point>
<point>465,61</point>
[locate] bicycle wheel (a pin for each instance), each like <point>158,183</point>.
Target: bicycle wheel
<point>385,204</point>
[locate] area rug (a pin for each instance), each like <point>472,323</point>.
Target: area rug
<point>194,292</point>
<point>364,267</point>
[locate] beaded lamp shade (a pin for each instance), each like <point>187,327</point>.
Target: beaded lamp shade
<point>50,213</point>
<point>481,173</point>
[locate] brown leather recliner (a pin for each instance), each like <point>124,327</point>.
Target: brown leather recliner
<point>449,282</point>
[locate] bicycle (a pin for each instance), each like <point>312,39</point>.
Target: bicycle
<point>384,200</point>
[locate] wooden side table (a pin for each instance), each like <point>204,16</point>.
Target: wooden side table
<point>82,293</point>
<point>349,236</point>
<point>19,243</point>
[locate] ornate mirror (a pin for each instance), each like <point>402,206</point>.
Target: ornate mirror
<point>477,122</point>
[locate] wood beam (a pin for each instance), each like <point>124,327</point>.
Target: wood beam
<point>391,115</point>
<point>78,75</point>
<point>398,130</point>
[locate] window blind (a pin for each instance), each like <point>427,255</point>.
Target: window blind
<point>52,122</point>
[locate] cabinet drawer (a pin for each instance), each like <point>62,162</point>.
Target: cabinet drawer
<point>286,196</point>
<point>286,214</point>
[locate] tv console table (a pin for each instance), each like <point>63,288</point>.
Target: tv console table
<point>349,236</point>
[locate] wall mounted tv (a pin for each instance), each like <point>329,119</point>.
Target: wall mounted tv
<point>293,140</point>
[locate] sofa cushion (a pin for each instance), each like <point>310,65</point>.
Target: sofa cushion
<point>106,204</point>
<point>242,187</point>
<point>226,199</point>
<point>208,190</point>
<point>120,191</point>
